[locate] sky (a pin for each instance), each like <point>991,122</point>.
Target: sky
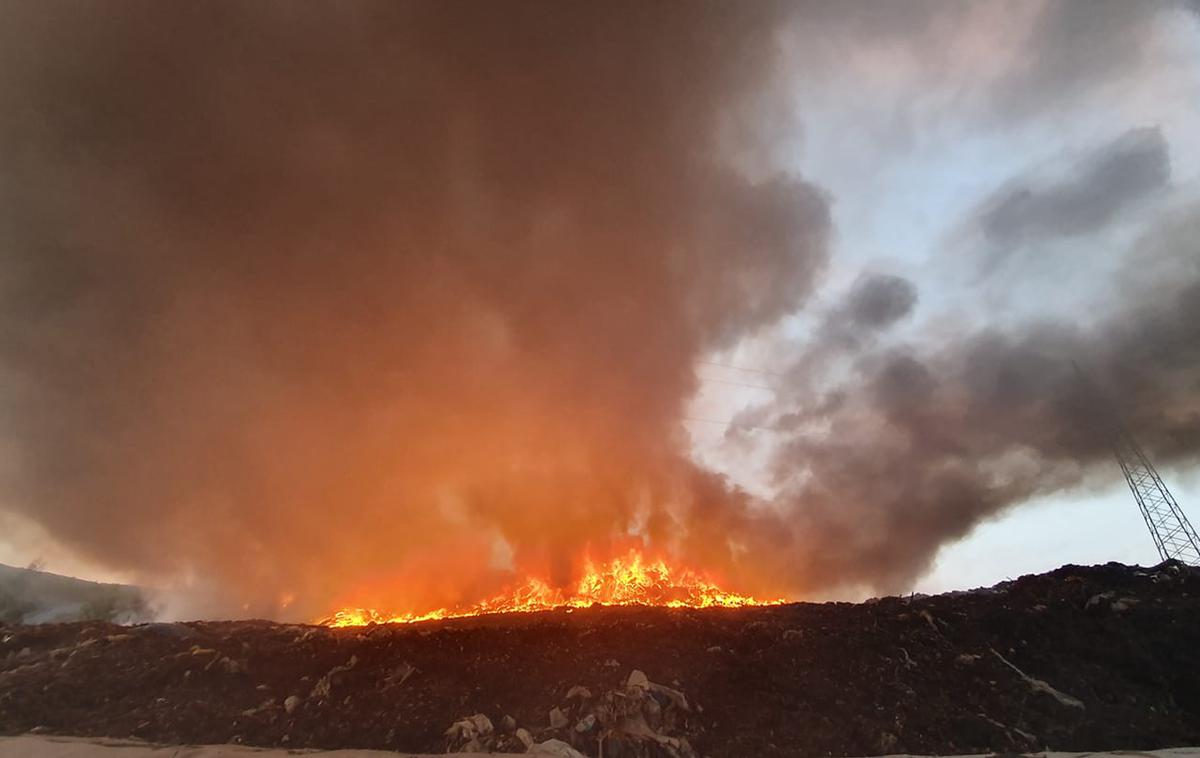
<point>907,163</point>
<point>387,304</point>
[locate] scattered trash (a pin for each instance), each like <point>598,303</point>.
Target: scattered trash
<point>787,688</point>
<point>1040,686</point>
<point>928,619</point>
<point>472,734</point>
<point>263,707</point>
<point>1123,604</point>
<point>638,680</point>
<point>398,675</point>
<point>558,719</point>
<point>226,664</point>
<point>557,749</point>
<point>525,738</point>
<point>324,686</point>
<point>642,719</point>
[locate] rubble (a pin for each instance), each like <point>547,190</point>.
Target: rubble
<point>473,734</point>
<point>399,675</point>
<point>524,737</point>
<point>324,686</point>
<point>556,749</point>
<point>640,719</point>
<point>912,675</point>
<point>638,681</point>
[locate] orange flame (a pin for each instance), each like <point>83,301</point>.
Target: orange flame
<point>631,580</point>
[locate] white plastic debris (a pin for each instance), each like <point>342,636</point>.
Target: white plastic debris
<point>637,679</point>
<point>556,748</point>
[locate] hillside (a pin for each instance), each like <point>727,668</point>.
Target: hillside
<point>29,596</point>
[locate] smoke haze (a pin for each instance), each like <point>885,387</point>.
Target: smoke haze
<point>300,300</point>
<point>375,303</point>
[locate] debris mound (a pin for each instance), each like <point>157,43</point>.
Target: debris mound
<point>1078,659</point>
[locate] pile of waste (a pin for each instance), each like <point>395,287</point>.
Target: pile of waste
<point>641,719</point>
<point>1083,658</point>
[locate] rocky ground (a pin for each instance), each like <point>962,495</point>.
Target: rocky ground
<point>1079,659</point>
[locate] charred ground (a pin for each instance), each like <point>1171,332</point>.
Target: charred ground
<point>924,674</point>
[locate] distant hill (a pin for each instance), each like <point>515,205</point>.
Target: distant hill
<point>29,596</point>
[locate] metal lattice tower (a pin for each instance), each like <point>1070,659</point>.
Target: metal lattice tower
<point>1173,534</point>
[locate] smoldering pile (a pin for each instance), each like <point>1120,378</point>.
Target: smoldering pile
<point>1078,659</point>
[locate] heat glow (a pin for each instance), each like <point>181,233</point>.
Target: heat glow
<point>631,580</point>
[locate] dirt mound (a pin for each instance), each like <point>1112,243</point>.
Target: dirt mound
<point>1077,659</point>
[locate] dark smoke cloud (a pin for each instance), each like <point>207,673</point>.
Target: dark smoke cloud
<point>875,302</point>
<point>346,301</point>
<point>1108,181</point>
<point>325,300</point>
<point>892,450</point>
<point>1093,44</point>
<point>931,71</point>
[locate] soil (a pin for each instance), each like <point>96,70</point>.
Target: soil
<point>1079,659</point>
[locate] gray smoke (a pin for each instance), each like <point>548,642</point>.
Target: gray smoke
<point>1109,181</point>
<point>895,447</point>
<point>339,303</point>
<point>376,303</point>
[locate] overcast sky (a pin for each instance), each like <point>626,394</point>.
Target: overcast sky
<point>322,302</point>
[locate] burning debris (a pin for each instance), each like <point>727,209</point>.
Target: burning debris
<point>631,580</point>
<point>1077,659</point>
<point>390,293</point>
<point>641,719</point>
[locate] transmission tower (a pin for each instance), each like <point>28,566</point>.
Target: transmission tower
<point>1173,534</point>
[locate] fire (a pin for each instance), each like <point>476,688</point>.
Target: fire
<point>631,580</point>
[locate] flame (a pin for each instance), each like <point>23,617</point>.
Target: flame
<point>631,580</point>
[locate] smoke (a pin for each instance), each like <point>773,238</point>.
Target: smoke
<point>1107,182</point>
<point>360,304</point>
<point>324,304</point>
<point>893,445</point>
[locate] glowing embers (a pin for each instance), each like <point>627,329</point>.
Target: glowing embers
<point>630,580</point>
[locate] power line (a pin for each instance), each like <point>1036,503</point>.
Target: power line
<point>742,368</point>
<point>739,384</point>
<point>729,424</point>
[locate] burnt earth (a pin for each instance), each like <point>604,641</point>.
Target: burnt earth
<point>921,674</point>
